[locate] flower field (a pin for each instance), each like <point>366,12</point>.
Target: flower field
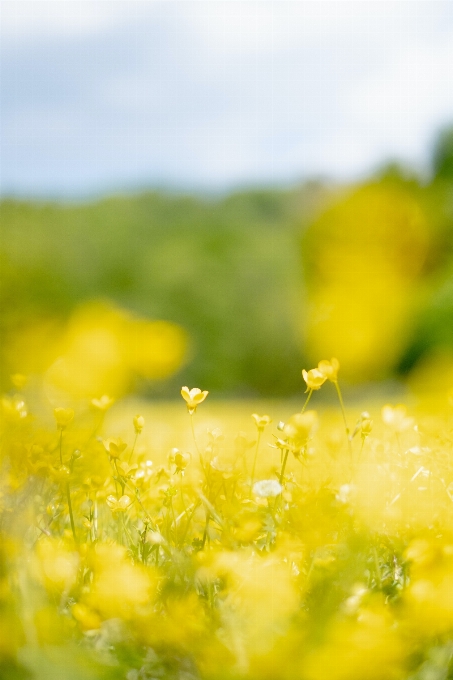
<point>211,539</point>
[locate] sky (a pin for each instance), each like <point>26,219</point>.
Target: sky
<point>100,96</point>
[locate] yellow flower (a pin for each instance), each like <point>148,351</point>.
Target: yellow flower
<point>314,378</point>
<point>139,423</point>
<point>216,435</point>
<point>14,409</point>
<point>366,424</point>
<point>114,447</point>
<point>103,403</point>
<point>396,418</point>
<point>300,425</point>
<point>126,470</point>
<point>261,421</point>
<point>120,505</point>
<point>64,417</point>
<point>86,617</point>
<point>19,381</point>
<point>180,459</point>
<point>329,369</point>
<point>193,397</point>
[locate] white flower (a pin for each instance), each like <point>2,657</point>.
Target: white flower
<point>267,488</point>
<point>345,492</point>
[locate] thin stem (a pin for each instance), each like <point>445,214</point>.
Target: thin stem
<point>133,448</point>
<point>182,499</point>
<point>71,516</point>
<point>307,400</point>
<point>139,501</point>
<point>114,478</point>
<point>205,533</point>
<point>125,528</point>
<point>255,458</point>
<point>343,411</point>
<point>120,528</point>
<point>377,567</point>
<point>174,519</point>
<point>361,449</point>
<point>96,429</point>
<point>120,477</point>
<point>282,473</point>
<point>95,517</point>
<point>61,447</point>
<point>189,519</point>
<point>143,542</point>
<point>195,441</point>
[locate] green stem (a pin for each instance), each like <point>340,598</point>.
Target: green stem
<point>174,518</point>
<point>282,473</point>
<point>377,567</point>
<point>125,528</point>
<point>205,533</point>
<point>307,400</point>
<point>119,477</point>
<point>133,448</point>
<point>343,411</point>
<point>95,517</point>
<point>361,449</point>
<point>255,459</point>
<point>195,441</point>
<point>189,519</point>
<point>61,447</point>
<point>182,499</point>
<point>96,429</point>
<point>71,515</point>
<point>143,542</point>
<point>120,528</point>
<point>113,477</point>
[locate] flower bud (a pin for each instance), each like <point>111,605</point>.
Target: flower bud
<point>139,423</point>
<point>64,417</point>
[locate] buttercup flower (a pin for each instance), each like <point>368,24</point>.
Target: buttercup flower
<point>114,447</point>
<point>396,418</point>
<point>103,403</point>
<point>179,458</point>
<point>139,423</point>
<point>329,369</point>
<point>300,425</point>
<point>193,397</point>
<point>314,378</point>
<point>64,417</point>
<point>13,409</point>
<point>216,435</point>
<point>19,381</point>
<point>120,505</point>
<point>366,424</point>
<point>261,421</point>
<point>125,469</point>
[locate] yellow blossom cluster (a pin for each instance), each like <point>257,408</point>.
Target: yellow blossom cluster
<point>278,549</point>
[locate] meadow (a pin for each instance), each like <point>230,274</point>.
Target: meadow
<point>191,487</point>
<point>206,539</point>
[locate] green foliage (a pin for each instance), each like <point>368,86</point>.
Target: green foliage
<point>443,155</point>
<point>226,269</point>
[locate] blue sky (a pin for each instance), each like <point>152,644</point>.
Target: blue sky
<point>99,96</point>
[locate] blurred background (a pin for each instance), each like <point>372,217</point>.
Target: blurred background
<point>222,193</point>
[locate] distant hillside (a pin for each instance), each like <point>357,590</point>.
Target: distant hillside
<point>228,270</point>
<point>262,280</point>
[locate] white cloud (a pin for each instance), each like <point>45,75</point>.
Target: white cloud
<point>23,20</point>
<point>213,93</point>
